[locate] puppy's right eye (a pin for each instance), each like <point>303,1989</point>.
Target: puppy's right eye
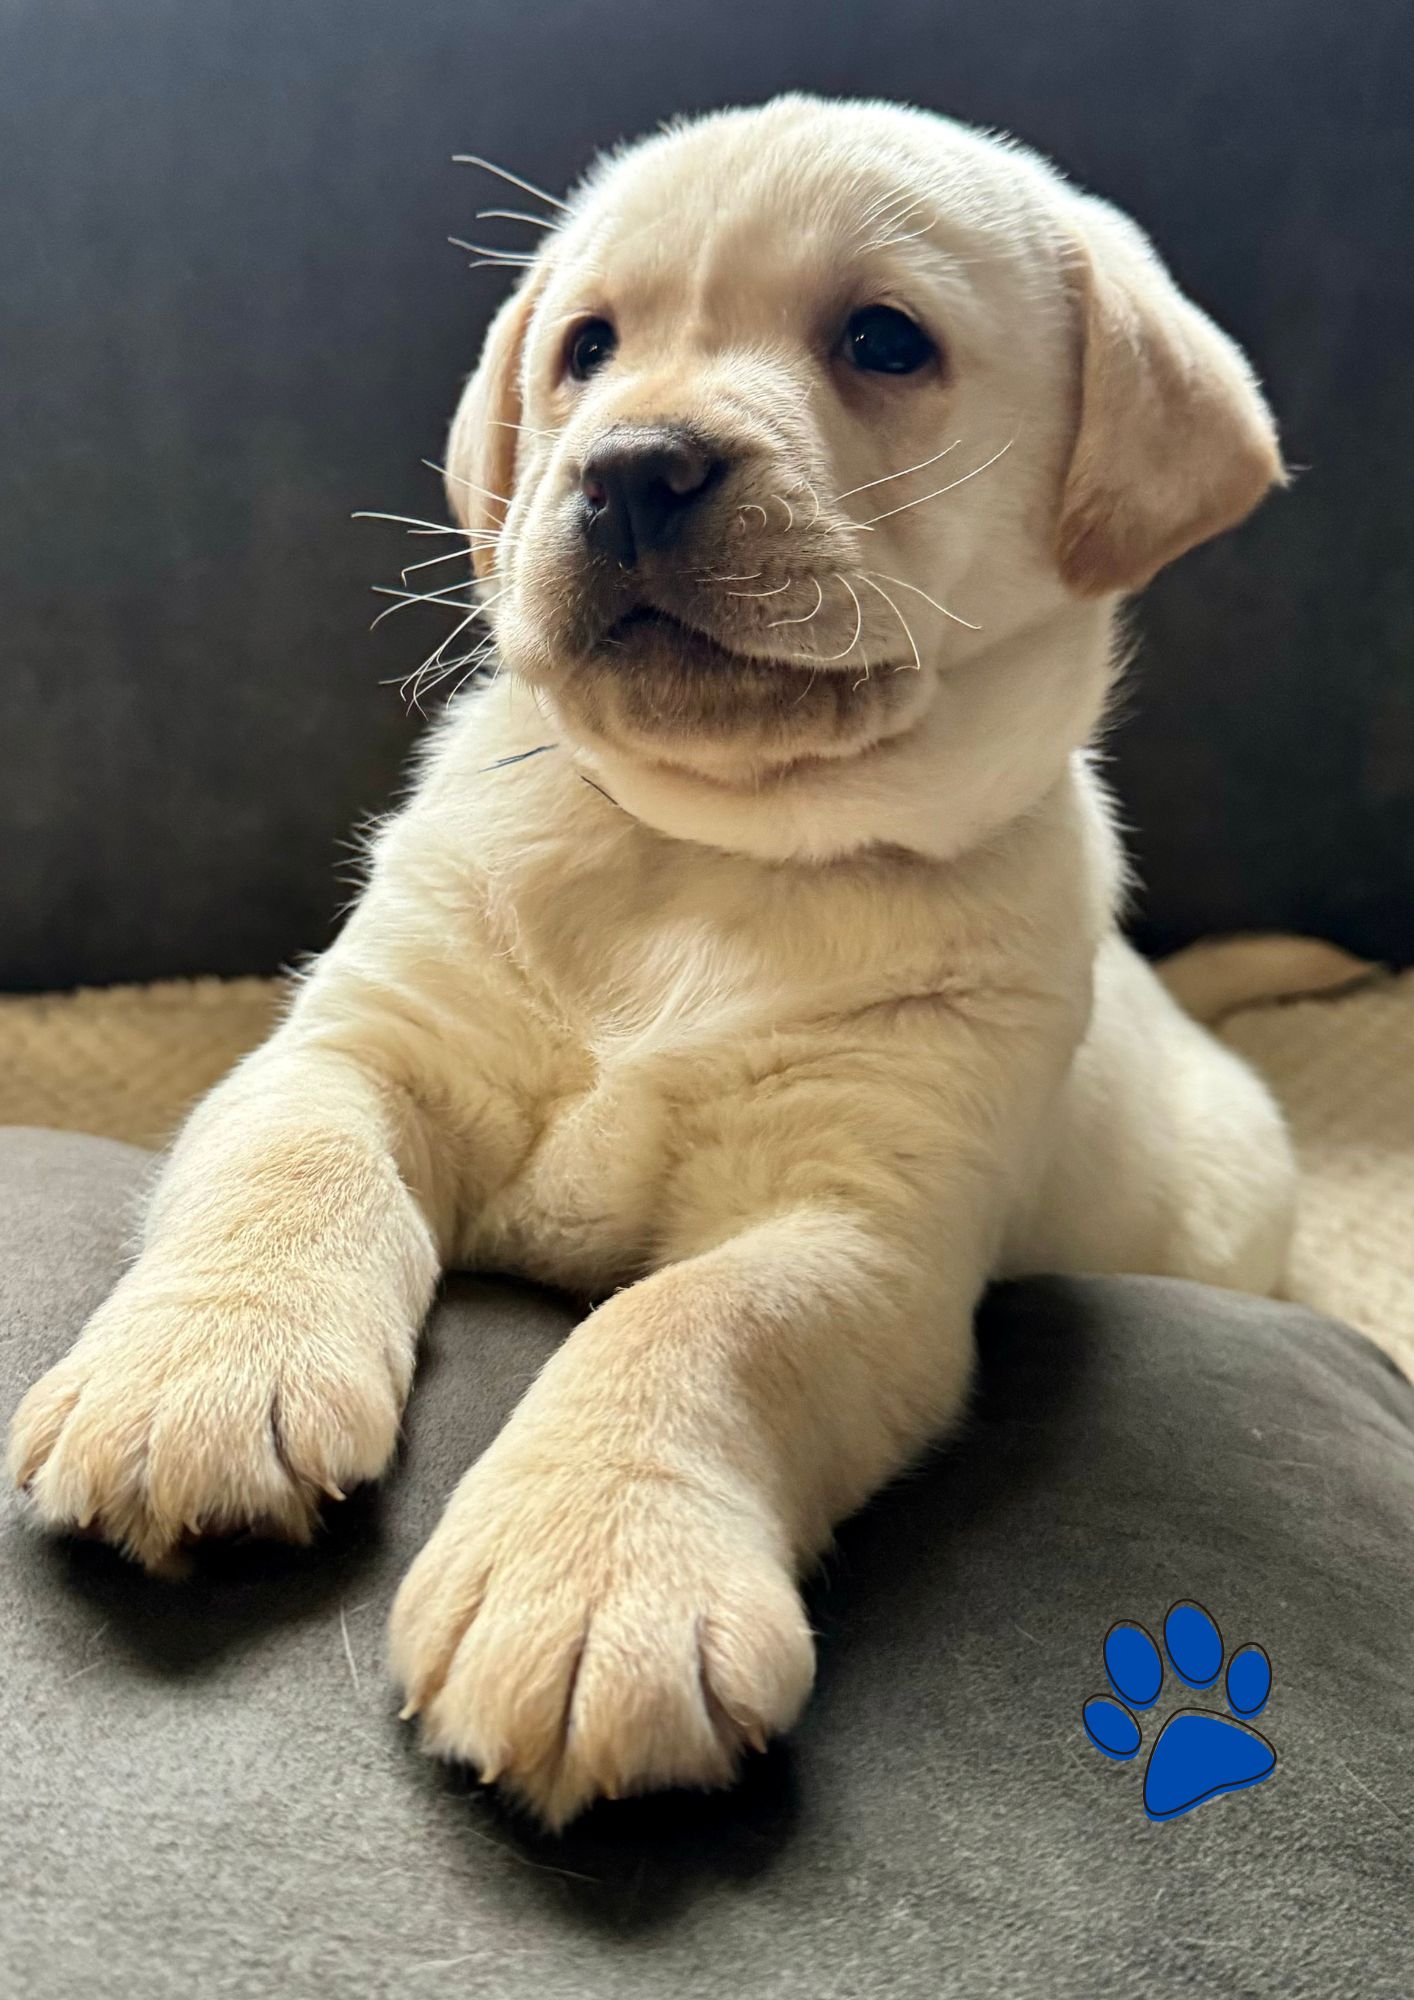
<point>590,346</point>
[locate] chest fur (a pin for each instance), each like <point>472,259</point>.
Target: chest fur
<point>619,993</point>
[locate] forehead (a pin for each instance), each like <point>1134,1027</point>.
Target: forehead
<point>780,206</point>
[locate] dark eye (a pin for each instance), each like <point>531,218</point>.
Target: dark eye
<point>884,341</point>
<point>590,347</point>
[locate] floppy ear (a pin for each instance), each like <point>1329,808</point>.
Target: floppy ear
<point>1174,441</point>
<point>481,446</point>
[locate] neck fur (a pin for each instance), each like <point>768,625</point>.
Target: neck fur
<point>996,737</point>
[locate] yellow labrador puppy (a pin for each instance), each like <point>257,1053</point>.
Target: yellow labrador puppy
<point>746,957</point>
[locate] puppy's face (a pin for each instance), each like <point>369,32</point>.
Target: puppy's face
<point>803,408</point>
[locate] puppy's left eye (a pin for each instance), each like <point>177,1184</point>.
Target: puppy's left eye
<point>884,341</point>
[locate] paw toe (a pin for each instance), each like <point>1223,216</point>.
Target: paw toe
<point>758,1660</point>
<point>1249,1681</point>
<point>1194,1644</point>
<point>1111,1727</point>
<point>1133,1665</point>
<point>39,1421</point>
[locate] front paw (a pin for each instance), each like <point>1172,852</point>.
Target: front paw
<point>582,1631</point>
<point>196,1405</point>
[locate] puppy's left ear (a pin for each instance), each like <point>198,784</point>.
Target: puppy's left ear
<point>1174,442</point>
<point>482,444</point>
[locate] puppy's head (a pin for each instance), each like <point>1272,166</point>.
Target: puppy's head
<point>803,407</point>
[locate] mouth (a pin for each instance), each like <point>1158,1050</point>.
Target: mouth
<point>653,683</point>
<point>653,637</point>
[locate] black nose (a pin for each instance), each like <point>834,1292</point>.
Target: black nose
<point>638,483</point>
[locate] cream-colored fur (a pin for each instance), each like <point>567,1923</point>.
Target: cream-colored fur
<point>764,984</point>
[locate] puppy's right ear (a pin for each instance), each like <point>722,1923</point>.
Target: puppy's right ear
<point>482,443</point>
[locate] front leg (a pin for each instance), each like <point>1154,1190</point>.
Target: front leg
<point>609,1602</point>
<point>256,1357</point>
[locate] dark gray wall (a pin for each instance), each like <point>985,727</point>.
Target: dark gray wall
<point>229,319</point>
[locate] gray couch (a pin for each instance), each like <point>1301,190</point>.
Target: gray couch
<point>229,324</point>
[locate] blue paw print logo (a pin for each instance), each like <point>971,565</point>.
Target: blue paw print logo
<point>1198,1754</point>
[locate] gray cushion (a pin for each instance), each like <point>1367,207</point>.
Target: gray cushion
<point>205,1791</point>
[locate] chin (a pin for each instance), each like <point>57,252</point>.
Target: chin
<point>656,688</point>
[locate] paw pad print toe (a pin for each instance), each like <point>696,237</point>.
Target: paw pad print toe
<point>1198,1754</point>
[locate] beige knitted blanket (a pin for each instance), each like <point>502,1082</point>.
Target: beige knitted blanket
<point>128,1061</point>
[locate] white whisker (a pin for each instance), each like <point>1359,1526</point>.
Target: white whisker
<point>405,598</point>
<point>819,600</point>
<point>748,576</point>
<point>906,236</point>
<point>437,665</point>
<point>877,208</point>
<point>903,584</point>
<point>505,174</point>
<point>917,660</point>
<point>491,253</point>
<point>755,507</point>
<point>434,658</point>
<point>447,599</point>
<point>450,555</point>
<point>436,668</point>
<point>896,223</point>
<point>420,596</point>
<point>414,690</point>
<point>407,521</point>
<point>516,215</point>
<point>858,623</point>
<point>473,661</point>
<point>470,484</point>
<point>922,464</point>
<point>444,596</point>
<point>942,489</point>
<point>816,498</point>
<point>763,593</point>
<point>790,511</point>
